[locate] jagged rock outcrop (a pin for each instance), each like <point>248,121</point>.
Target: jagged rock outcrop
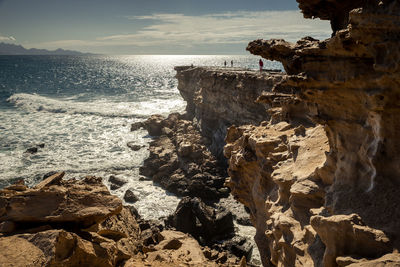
<point>203,222</point>
<point>335,204</point>
<point>78,223</point>
<point>180,161</point>
<point>218,98</point>
<point>274,171</point>
<point>336,11</point>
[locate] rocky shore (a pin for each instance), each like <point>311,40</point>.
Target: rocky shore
<point>311,153</point>
<point>79,223</point>
<point>318,172</point>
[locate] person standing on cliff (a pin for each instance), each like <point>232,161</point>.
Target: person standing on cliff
<point>261,63</point>
<point>225,63</point>
<point>231,63</point>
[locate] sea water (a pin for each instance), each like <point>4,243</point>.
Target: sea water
<point>81,109</point>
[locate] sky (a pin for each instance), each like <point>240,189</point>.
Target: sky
<point>153,26</point>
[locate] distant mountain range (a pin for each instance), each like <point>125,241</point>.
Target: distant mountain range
<point>12,49</point>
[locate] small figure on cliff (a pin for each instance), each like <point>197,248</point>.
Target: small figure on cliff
<point>225,63</point>
<point>261,63</point>
<point>231,63</point>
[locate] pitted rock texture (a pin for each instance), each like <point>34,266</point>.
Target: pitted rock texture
<point>180,160</point>
<point>219,97</point>
<point>54,201</point>
<point>340,208</point>
<point>100,232</point>
<point>274,171</point>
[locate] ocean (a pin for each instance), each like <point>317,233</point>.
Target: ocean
<point>81,109</point>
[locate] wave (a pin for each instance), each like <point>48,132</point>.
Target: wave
<point>102,107</point>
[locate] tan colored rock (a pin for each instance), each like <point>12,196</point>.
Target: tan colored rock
<point>57,248</point>
<point>349,84</point>
<point>346,235</point>
<point>76,202</point>
<point>221,97</point>
<point>388,260</point>
<point>274,172</point>
<point>52,180</point>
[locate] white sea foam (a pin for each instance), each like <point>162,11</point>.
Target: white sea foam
<point>101,107</point>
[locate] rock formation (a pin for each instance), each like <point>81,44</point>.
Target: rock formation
<point>78,223</point>
<point>180,161</point>
<point>218,98</point>
<point>330,192</point>
<point>320,175</point>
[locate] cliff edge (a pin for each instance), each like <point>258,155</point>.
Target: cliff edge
<point>313,153</point>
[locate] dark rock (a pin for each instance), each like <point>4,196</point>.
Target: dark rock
<point>49,174</point>
<point>180,162</point>
<point>130,196</point>
<point>114,187</point>
<point>244,221</point>
<point>136,126</point>
<point>134,212</point>
<point>134,147</point>
<point>239,246</point>
<point>151,236</point>
<point>116,182</point>
<point>147,224</point>
<point>32,150</point>
<point>173,244</point>
<point>7,227</point>
<point>201,221</point>
<point>40,145</point>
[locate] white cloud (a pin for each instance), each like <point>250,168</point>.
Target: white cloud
<point>220,28</point>
<point>7,39</point>
<point>232,27</point>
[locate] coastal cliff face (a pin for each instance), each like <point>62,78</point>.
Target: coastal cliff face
<point>320,174</point>
<point>220,97</point>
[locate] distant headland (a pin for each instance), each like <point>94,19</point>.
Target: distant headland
<point>12,49</point>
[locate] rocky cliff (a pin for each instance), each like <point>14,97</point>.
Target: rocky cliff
<point>220,97</point>
<point>320,174</point>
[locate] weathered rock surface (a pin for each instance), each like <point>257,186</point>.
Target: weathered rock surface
<point>218,98</point>
<point>321,177</point>
<point>53,201</point>
<point>202,221</point>
<point>78,223</point>
<point>130,196</point>
<point>274,171</point>
<point>180,161</point>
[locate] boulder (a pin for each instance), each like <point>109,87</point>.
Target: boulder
<point>136,126</point>
<point>130,196</point>
<point>73,202</point>
<point>32,150</point>
<point>116,182</point>
<point>59,248</point>
<point>201,221</point>
<point>134,146</point>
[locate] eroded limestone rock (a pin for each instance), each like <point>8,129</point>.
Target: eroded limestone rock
<point>180,161</point>
<point>336,206</point>
<point>79,203</point>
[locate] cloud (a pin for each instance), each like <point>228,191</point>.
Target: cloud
<point>7,38</point>
<point>230,28</point>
